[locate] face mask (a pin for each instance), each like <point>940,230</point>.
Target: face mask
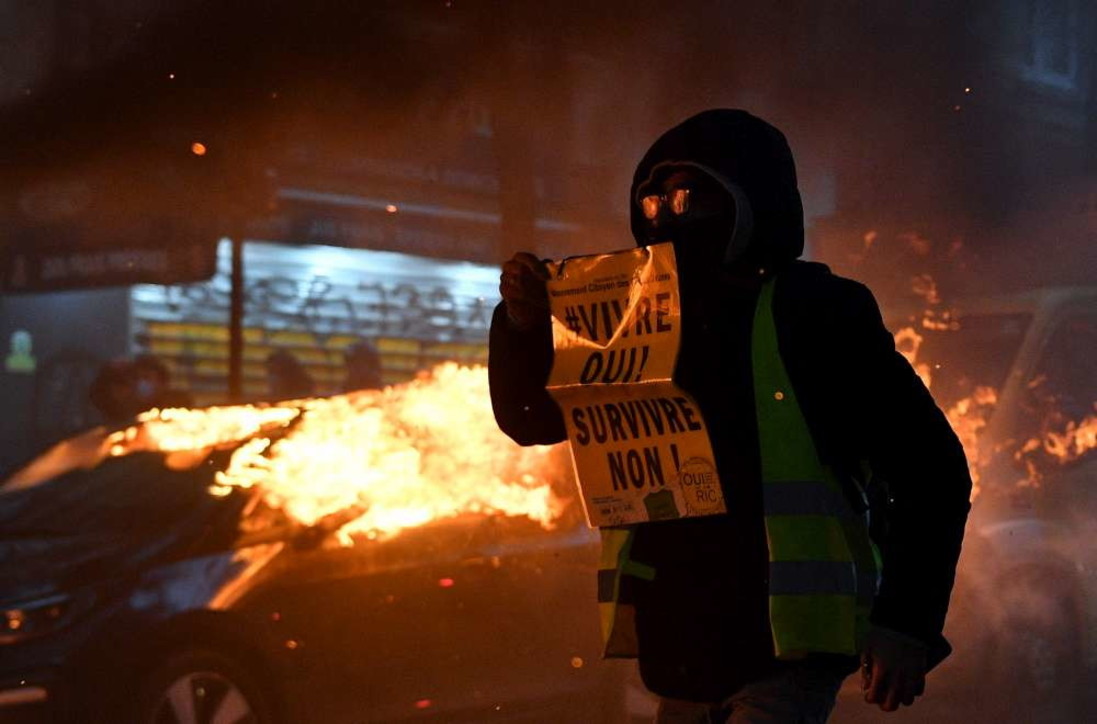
<point>687,206</point>
<point>699,244</point>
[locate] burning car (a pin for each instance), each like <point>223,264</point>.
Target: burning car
<point>376,556</point>
<point>1030,571</point>
<point>1016,379</point>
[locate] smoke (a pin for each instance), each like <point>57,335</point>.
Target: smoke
<point>902,119</point>
<point>926,143</point>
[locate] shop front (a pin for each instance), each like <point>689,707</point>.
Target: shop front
<point>317,303</point>
<point>314,304</point>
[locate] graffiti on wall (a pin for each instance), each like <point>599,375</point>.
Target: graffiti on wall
<point>320,307</point>
<point>416,314</point>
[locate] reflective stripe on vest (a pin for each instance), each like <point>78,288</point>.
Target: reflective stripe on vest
<point>823,567</point>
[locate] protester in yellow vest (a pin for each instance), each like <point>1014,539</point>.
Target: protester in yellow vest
<point>760,613</point>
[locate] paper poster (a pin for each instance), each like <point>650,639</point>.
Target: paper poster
<point>639,444</point>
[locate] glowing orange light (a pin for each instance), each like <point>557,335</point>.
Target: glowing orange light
<point>445,582</point>
<point>1062,441</point>
<point>368,464</point>
<point>391,208</point>
<point>423,704</point>
<point>198,149</point>
<point>924,286</point>
<point>908,342</point>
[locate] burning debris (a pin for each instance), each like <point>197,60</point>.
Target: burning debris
<point>378,461</point>
<point>181,429</point>
<point>969,415</point>
<point>1061,440</point>
<point>909,342</point>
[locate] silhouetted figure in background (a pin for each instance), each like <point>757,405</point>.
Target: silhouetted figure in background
<point>363,363</point>
<point>287,377</point>
<point>152,384</point>
<point>113,393</point>
<point>125,388</point>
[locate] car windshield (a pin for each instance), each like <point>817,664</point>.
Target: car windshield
<point>979,354</point>
<point>130,493</point>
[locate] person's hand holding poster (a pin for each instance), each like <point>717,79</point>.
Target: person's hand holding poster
<point>639,443</point>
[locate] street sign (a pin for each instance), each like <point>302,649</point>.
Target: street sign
<point>50,270</point>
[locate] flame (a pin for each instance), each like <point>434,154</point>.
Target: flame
<point>370,463</point>
<point>939,321</point>
<point>925,286</point>
<point>179,429</point>
<point>908,342</point>
<point>1062,441</point>
<point>969,416</point>
<point>917,243</point>
<point>867,241</point>
<point>1071,441</point>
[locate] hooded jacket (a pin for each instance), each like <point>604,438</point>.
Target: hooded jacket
<point>702,623</point>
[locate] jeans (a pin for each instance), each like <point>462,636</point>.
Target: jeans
<point>802,694</point>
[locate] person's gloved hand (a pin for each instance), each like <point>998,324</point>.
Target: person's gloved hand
<point>893,668</point>
<point>522,286</point>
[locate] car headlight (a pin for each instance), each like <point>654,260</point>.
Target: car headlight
<point>40,616</point>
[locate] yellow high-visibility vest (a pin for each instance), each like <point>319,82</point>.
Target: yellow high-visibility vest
<point>823,568</point>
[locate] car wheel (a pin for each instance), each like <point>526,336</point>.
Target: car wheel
<point>203,687</point>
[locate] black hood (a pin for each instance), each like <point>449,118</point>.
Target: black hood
<point>754,158</point>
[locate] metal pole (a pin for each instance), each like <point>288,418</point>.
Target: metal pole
<point>236,322</point>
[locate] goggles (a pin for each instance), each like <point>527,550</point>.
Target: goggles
<point>676,200</point>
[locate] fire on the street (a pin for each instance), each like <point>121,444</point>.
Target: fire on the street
<point>388,460</point>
